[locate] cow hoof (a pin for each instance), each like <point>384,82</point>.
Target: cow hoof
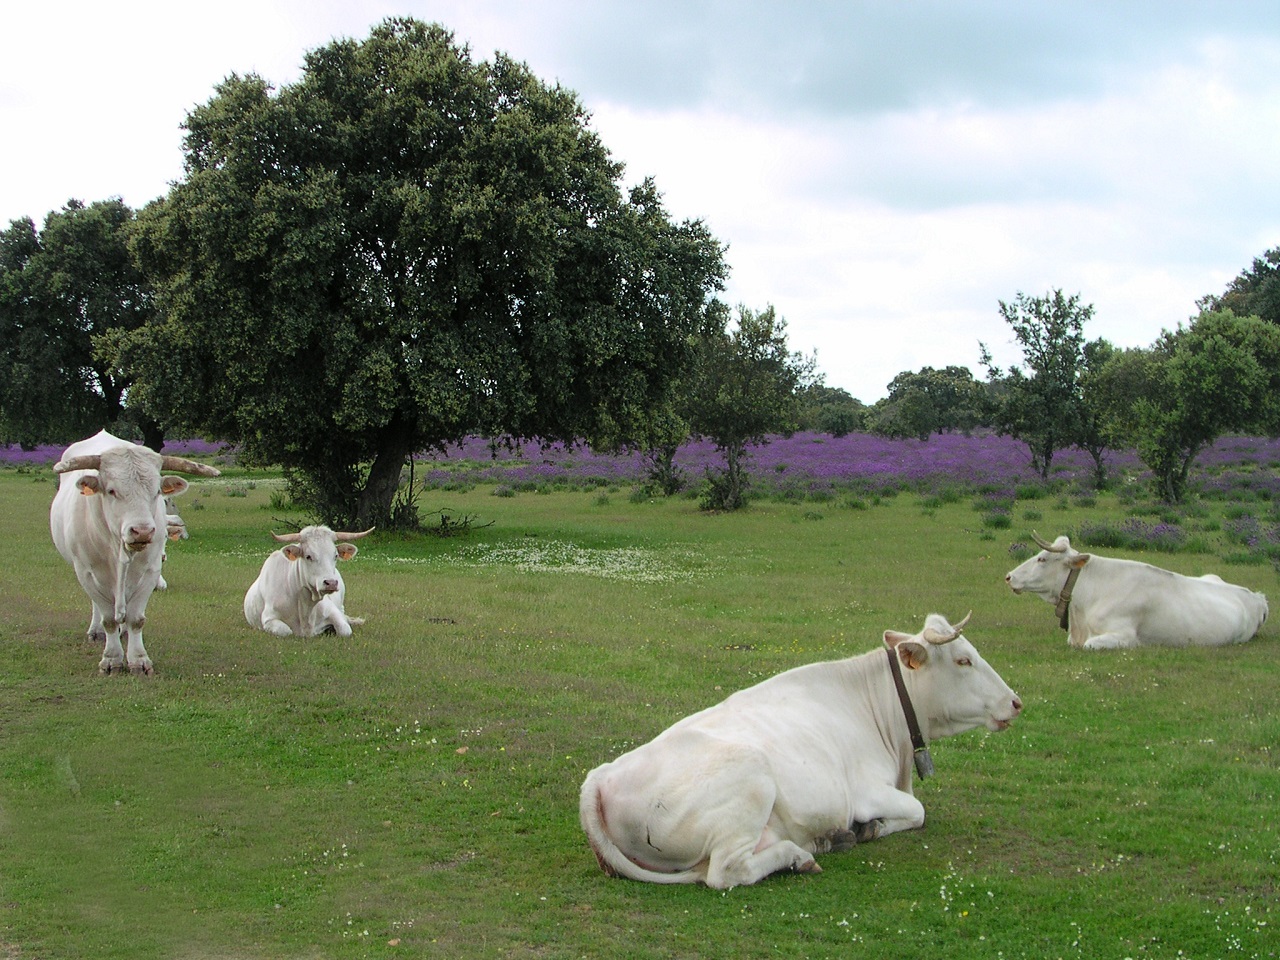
<point>97,637</point>
<point>142,668</point>
<point>866,832</point>
<point>809,866</point>
<point>107,666</point>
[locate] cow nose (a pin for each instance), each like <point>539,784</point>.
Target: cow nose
<point>1017,704</point>
<point>142,533</point>
<point>1008,578</point>
<point>329,586</point>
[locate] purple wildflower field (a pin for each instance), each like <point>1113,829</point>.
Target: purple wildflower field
<point>812,464</point>
<point>48,453</point>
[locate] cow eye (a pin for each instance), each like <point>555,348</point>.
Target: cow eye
<point>964,662</point>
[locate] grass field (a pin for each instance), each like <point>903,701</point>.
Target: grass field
<point>412,791</point>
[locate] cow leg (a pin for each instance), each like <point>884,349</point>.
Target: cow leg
<point>139,662</point>
<point>1115,640</point>
<point>329,616</point>
<point>887,812</point>
<point>112,652</point>
<point>95,633</point>
<point>838,841</point>
<point>272,623</point>
<point>748,863</point>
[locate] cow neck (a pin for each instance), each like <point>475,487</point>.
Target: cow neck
<point>1064,598</point>
<point>919,749</point>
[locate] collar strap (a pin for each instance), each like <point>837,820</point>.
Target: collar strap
<point>1064,598</point>
<point>920,750</point>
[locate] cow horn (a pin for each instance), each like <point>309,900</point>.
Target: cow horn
<point>938,639</point>
<point>183,465</point>
<point>1043,544</point>
<point>286,537</point>
<point>91,461</point>
<point>353,536</point>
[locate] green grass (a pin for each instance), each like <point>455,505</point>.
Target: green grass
<point>417,784</point>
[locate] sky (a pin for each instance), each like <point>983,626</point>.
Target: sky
<point>883,173</point>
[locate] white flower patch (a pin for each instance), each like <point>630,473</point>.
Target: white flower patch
<point>632,564</point>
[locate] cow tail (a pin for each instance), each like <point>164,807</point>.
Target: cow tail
<point>612,860</point>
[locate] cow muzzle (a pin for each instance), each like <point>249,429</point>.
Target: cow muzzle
<point>997,723</point>
<point>138,539</point>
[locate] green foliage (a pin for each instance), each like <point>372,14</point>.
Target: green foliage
<point>66,294</point>
<point>831,410</point>
<point>1043,406</point>
<point>1222,373</point>
<point>930,401</point>
<point>403,247</point>
<point>745,385</point>
<point>1255,292</point>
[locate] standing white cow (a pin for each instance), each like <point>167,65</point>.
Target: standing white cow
<point>299,590</point>
<point>812,760</point>
<point>1108,603</point>
<point>105,517</point>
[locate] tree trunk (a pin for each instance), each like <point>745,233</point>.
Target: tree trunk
<point>374,507</point>
<point>152,434</point>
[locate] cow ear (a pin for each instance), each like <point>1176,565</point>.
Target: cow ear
<point>291,550</point>
<point>892,638</point>
<point>88,485</point>
<point>171,486</point>
<point>913,655</point>
<point>1080,560</point>
<point>346,551</point>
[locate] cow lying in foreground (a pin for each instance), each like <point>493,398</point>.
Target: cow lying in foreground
<point>1107,603</point>
<point>300,591</point>
<point>812,760</point>
<point>108,520</point>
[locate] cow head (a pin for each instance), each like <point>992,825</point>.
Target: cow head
<point>317,551</point>
<point>949,682</point>
<point>1046,573</point>
<point>128,480</point>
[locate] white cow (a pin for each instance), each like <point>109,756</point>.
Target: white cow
<point>812,760</point>
<point>1108,603</point>
<point>300,591</point>
<point>105,516</point>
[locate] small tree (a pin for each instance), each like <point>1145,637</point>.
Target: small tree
<point>1044,406</point>
<point>744,387</point>
<point>1094,438</point>
<point>929,401</point>
<point>1220,374</point>
<point>831,410</point>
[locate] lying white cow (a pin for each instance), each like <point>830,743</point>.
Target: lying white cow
<point>1107,603</point>
<point>812,760</point>
<point>300,590</point>
<point>105,518</point>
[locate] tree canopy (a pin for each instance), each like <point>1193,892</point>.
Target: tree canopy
<point>930,401</point>
<point>62,290</point>
<point>746,384</point>
<point>1042,407</point>
<point>1221,373</point>
<point>404,247</point>
<point>1254,292</point>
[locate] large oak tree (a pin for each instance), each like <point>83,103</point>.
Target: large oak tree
<point>404,246</point>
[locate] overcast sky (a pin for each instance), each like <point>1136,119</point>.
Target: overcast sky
<point>883,173</point>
